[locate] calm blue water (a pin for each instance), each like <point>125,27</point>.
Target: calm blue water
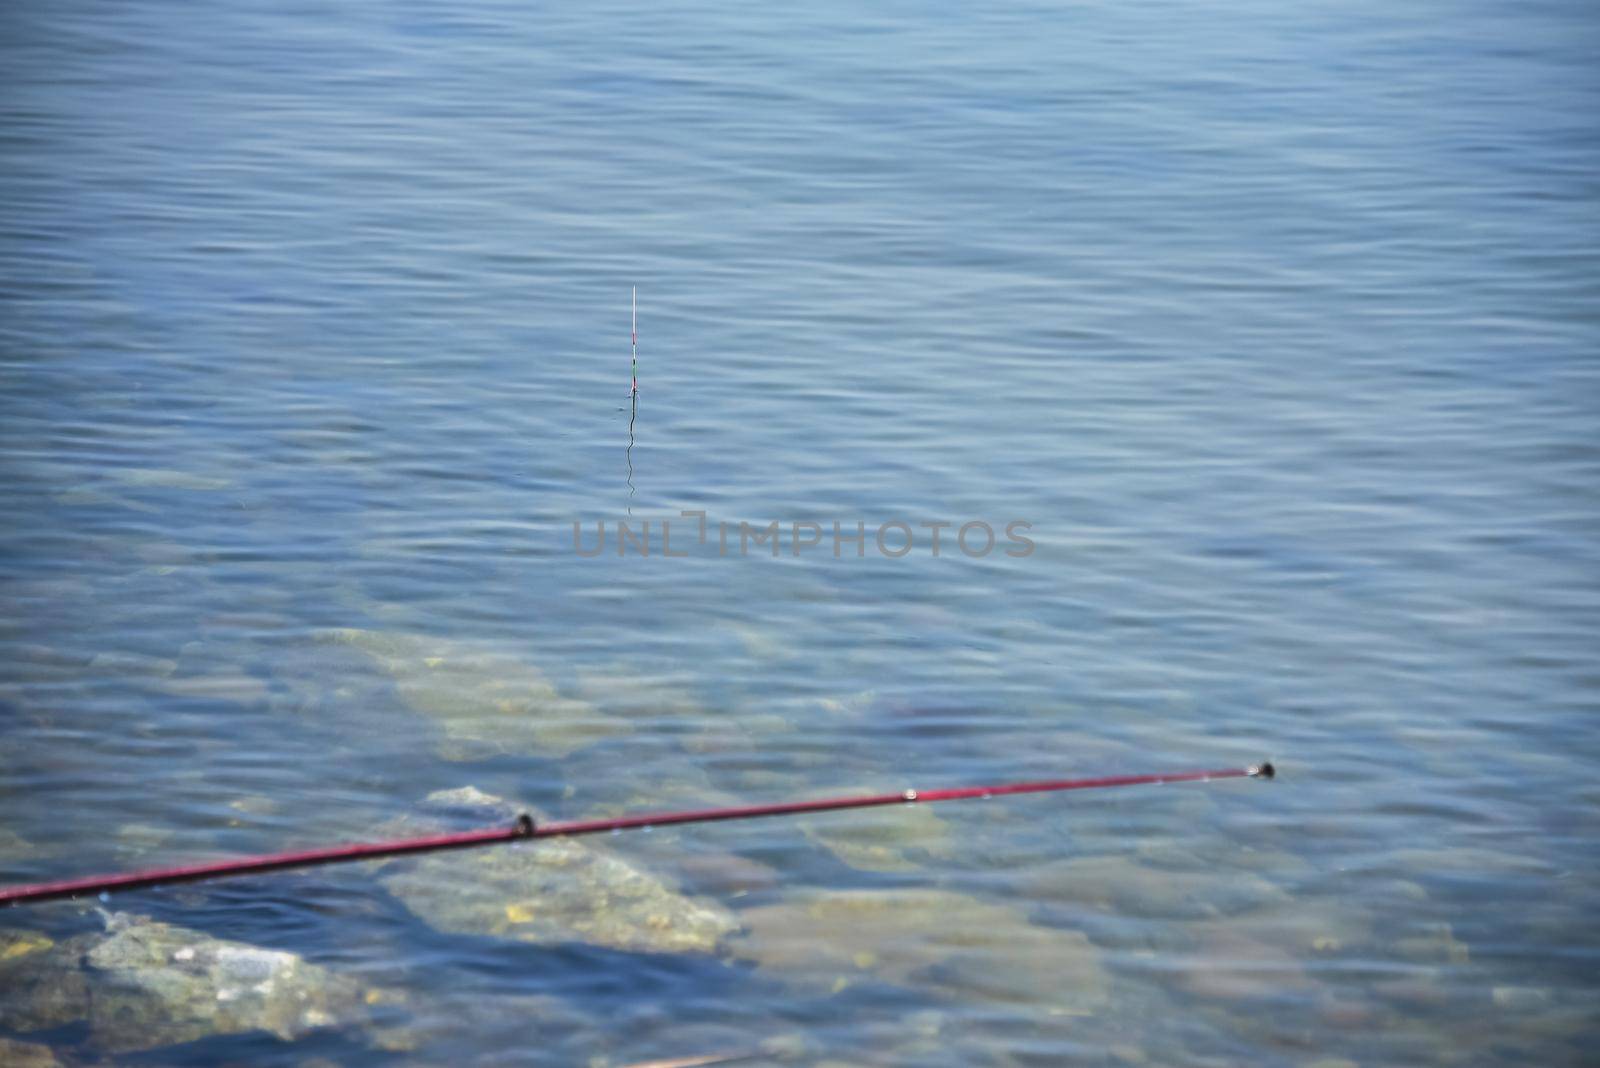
<point>1277,324</point>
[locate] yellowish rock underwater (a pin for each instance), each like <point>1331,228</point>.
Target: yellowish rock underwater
<point>486,701</point>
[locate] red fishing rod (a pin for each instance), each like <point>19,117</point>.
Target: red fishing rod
<point>524,828</point>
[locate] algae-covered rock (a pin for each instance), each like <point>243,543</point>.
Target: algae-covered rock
<point>40,984</point>
<point>153,984</point>
<point>935,938</point>
<point>142,984</point>
<point>551,891</point>
<point>486,702</point>
<point>16,943</point>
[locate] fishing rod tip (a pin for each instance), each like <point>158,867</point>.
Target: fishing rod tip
<point>1264,770</point>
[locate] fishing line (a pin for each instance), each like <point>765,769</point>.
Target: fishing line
<point>634,393</point>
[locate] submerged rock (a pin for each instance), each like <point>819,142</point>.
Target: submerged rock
<point>725,874</point>
<point>1120,884</point>
<point>470,799</point>
<point>1306,927</point>
<point>622,691</point>
<point>138,839</point>
<point>15,1054</point>
<point>1435,943</point>
<point>115,663</point>
<point>551,891</point>
<point>1520,998</point>
<point>40,983</point>
<point>143,984</point>
<point>882,840</point>
<point>86,495</point>
<point>1232,965</point>
<point>485,701</point>
<point>1425,863</point>
<point>461,1027</point>
<point>14,847</point>
<point>932,938</point>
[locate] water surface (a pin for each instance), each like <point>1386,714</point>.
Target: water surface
<point>1277,325</point>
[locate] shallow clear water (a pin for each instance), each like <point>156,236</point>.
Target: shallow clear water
<point>1278,325</point>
